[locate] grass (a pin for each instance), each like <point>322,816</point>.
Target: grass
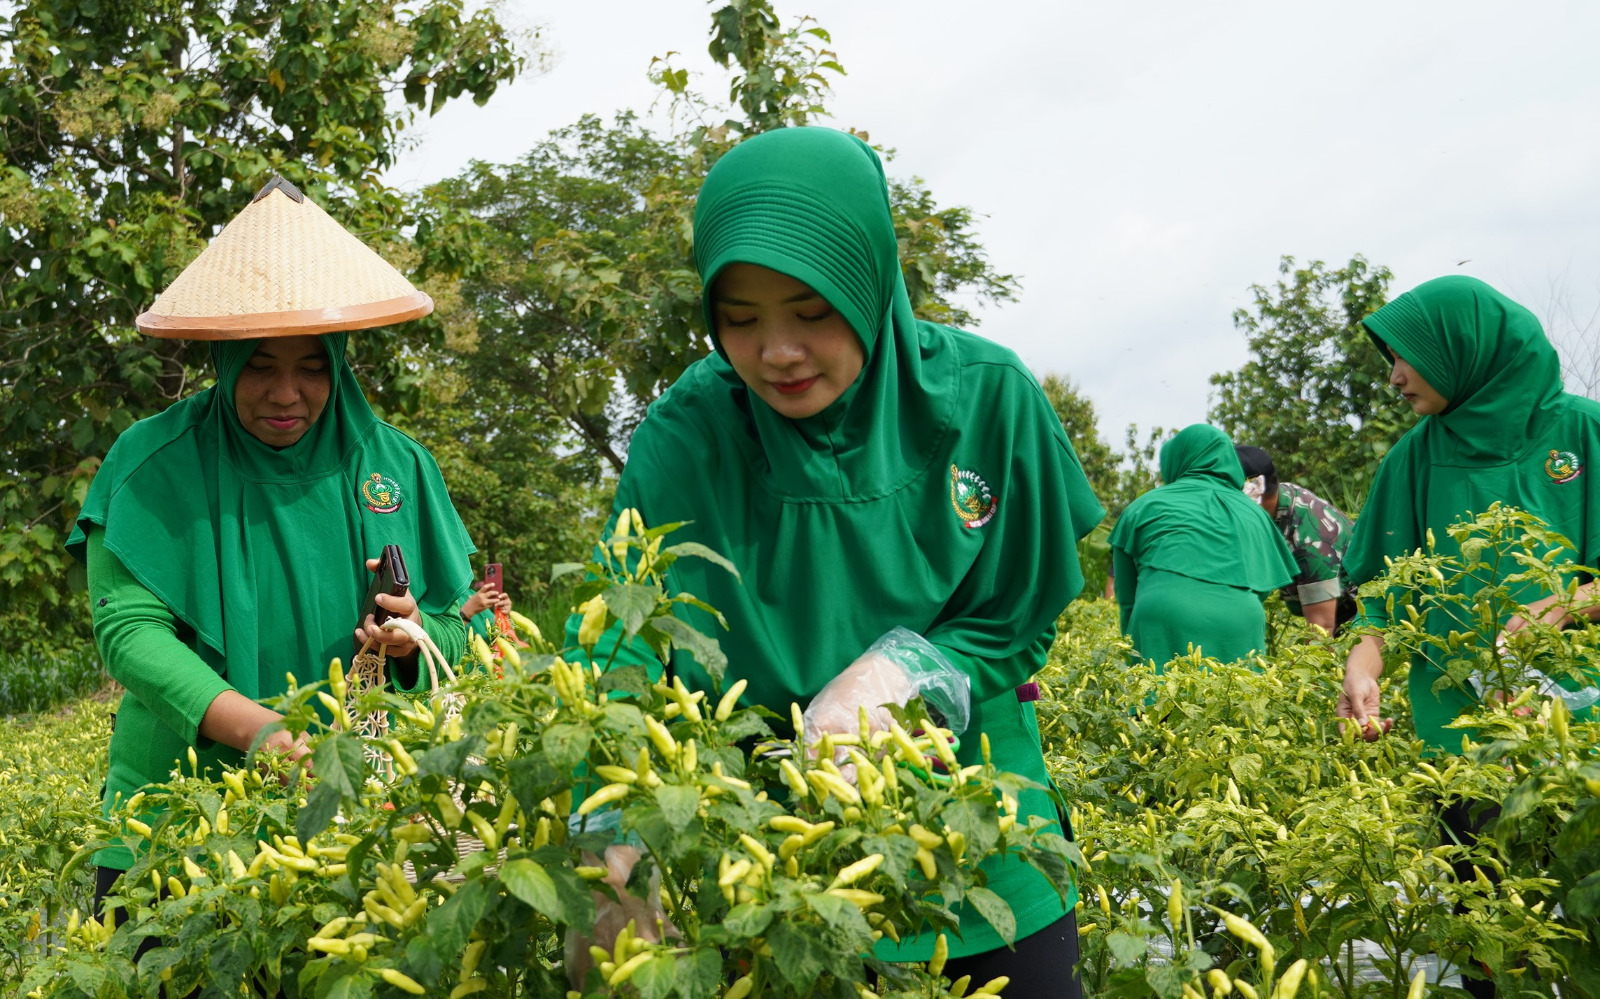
<point>32,681</point>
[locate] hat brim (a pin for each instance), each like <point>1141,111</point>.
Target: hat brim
<point>298,322</point>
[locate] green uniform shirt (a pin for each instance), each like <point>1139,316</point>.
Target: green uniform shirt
<point>939,493</point>
<point>1509,434</point>
<point>254,557</point>
<point>1195,556</point>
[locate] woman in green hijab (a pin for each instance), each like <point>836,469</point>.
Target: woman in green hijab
<point>866,470</point>
<point>1496,426</point>
<point>1195,558</point>
<point>228,542</point>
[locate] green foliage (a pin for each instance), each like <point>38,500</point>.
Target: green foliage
<point>565,289</point>
<point>1138,472</point>
<point>51,766</point>
<point>1082,424</point>
<point>766,861</point>
<point>1117,477</point>
<point>574,267</point>
<point>129,134</point>
<point>1238,787</point>
<point>1450,616</point>
<point>576,275</point>
<point>39,678</point>
<point>1315,393</point>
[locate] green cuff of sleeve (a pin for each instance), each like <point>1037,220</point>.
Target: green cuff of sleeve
<point>1370,613</point>
<point>192,708</point>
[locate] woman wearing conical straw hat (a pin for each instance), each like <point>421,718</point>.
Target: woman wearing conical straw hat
<point>230,540</point>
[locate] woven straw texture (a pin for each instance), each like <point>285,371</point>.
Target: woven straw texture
<point>283,267</point>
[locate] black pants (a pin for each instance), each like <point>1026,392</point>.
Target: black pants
<point>105,879</point>
<point>1462,827</point>
<point>1044,965</point>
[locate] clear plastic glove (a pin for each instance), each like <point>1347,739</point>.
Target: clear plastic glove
<point>647,915</point>
<point>871,682</point>
<point>899,666</point>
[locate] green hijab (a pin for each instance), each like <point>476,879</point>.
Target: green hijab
<point>938,493</point>
<point>1488,356</point>
<point>1509,434</point>
<point>812,203</point>
<point>847,524</point>
<point>1484,353</point>
<point>1200,523</point>
<point>260,551</point>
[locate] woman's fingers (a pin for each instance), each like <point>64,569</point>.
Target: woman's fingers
<point>405,605</point>
<point>395,642</point>
<point>1516,624</point>
<point>292,748</point>
<point>1359,701</point>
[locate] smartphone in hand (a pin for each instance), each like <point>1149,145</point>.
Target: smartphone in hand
<point>494,577</point>
<point>390,577</point>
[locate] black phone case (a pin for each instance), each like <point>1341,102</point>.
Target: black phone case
<point>391,578</point>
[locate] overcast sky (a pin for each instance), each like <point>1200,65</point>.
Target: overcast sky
<point>1140,165</point>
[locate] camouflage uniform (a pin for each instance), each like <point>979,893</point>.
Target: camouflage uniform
<point>1318,534</point>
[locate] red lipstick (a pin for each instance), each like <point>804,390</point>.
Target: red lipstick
<point>795,388</point>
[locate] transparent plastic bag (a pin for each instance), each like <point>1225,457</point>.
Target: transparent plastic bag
<point>1523,674</point>
<point>897,667</point>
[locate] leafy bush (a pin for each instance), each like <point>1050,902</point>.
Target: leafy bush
<point>38,680</point>
<point>1236,794</point>
<point>775,873</point>
<point>1237,841</point>
<point>51,767</point>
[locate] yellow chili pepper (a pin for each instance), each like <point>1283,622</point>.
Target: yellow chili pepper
<point>857,897</point>
<point>1289,984</point>
<point>941,953</point>
<point>1419,986</point>
<point>593,624</point>
<point>730,699</point>
<point>469,987</point>
<point>605,796</point>
<point>858,870</point>
<point>402,981</point>
<point>626,969</point>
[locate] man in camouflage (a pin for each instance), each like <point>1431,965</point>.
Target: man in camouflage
<point>1318,534</point>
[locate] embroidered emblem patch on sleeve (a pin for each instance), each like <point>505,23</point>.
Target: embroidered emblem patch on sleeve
<point>380,493</point>
<point>971,497</point>
<point>1562,466</point>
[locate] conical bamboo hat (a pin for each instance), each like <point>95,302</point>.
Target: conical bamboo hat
<point>282,267</point>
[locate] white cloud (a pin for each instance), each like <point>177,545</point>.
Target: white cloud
<point>1140,165</point>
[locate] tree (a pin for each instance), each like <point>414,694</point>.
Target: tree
<point>129,134</point>
<point>1315,393</point>
<point>1082,424</point>
<point>576,260</point>
<point>1117,477</point>
<point>1576,336</point>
